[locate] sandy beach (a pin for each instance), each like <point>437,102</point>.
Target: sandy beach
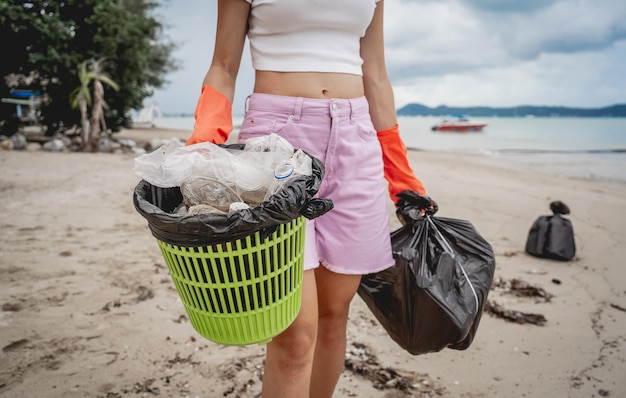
<point>89,309</point>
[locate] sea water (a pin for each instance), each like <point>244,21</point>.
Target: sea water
<point>592,148</point>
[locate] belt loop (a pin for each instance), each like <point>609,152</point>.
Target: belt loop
<point>247,104</point>
<point>352,111</point>
<point>297,111</point>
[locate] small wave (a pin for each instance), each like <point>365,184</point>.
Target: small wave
<point>521,150</point>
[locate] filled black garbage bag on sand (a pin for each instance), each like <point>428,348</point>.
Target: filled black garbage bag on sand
<point>552,236</point>
<point>434,296</point>
<point>155,204</point>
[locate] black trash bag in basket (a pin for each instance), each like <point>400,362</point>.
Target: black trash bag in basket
<point>435,294</point>
<point>156,204</point>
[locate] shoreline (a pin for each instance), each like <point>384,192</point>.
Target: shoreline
<point>89,309</point>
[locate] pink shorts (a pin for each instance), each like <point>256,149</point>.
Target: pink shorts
<point>353,238</point>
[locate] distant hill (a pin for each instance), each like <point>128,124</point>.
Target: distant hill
<point>618,110</point>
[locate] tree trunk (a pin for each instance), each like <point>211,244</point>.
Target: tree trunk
<point>97,114</point>
<point>84,121</point>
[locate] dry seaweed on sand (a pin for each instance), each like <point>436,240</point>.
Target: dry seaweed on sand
<point>520,288</point>
<point>361,361</point>
<point>499,311</point>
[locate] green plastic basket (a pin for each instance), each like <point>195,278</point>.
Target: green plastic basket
<point>241,292</point>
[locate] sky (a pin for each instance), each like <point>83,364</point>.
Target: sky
<point>496,53</point>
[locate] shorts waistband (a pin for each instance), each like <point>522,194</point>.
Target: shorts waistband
<point>302,106</point>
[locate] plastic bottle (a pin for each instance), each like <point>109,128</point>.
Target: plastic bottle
<point>302,163</point>
<point>282,175</point>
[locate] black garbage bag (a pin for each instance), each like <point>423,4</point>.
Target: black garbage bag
<point>156,204</point>
<point>552,236</point>
<point>435,294</point>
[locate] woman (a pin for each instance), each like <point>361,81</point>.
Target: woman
<point>321,83</point>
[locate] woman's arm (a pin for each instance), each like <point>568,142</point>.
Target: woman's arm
<point>376,82</point>
<point>213,114</point>
<point>379,93</point>
<point>232,26</point>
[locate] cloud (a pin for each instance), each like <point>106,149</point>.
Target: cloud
<point>476,33</point>
<point>457,52</point>
<point>587,80</point>
<point>509,6</point>
<point>434,38</point>
<point>563,27</point>
<point>492,52</point>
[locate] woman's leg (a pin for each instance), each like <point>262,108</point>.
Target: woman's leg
<point>290,355</point>
<point>335,292</point>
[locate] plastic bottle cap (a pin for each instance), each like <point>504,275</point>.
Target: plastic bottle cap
<point>283,170</point>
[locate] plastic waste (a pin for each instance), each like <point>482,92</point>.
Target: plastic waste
<point>236,206</point>
<point>208,191</point>
<point>268,150</point>
<point>251,179</point>
<point>282,174</point>
<point>203,209</point>
<point>172,163</point>
<point>297,165</point>
<point>246,174</point>
<point>156,205</point>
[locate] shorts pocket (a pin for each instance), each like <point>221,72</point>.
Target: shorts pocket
<point>260,123</point>
<point>365,128</point>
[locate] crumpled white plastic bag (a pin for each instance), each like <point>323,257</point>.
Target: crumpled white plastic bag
<point>172,163</point>
<point>249,172</point>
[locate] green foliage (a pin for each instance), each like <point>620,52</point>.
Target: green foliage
<point>50,38</point>
<point>87,72</point>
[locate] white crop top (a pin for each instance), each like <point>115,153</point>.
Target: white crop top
<point>308,35</point>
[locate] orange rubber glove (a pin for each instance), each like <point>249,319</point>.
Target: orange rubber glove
<point>398,172</point>
<point>214,119</point>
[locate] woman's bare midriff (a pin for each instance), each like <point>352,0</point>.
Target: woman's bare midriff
<point>309,84</point>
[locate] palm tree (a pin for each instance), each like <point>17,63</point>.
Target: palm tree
<point>91,128</point>
<point>80,98</point>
